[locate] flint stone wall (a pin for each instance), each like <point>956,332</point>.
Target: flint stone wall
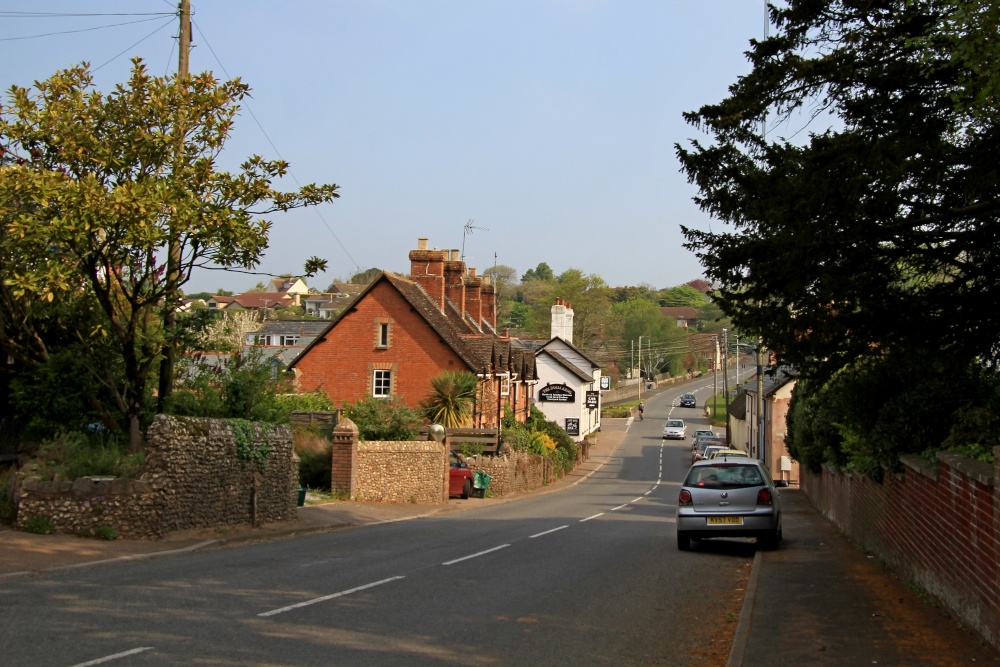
<point>401,472</point>
<point>515,473</point>
<point>193,479</point>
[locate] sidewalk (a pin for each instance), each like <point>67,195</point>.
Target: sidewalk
<point>819,600</point>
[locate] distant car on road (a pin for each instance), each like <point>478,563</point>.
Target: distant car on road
<point>688,401</point>
<point>729,498</point>
<point>674,429</point>
<point>459,477</point>
<point>703,431</point>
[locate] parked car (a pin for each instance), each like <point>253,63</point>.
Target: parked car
<point>459,476</point>
<point>697,451</point>
<point>704,431</point>
<point>708,451</point>
<point>688,401</point>
<point>726,453</point>
<point>674,429</point>
<point>729,498</point>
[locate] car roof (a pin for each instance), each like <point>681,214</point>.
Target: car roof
<point>738,461</point>
<point>730,452</point>
<point>674,422</point>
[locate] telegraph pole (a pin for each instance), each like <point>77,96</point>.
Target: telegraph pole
<point>173,249</point>
<point>715,372</point>
<point>760,400</point>
<point>725,380</point>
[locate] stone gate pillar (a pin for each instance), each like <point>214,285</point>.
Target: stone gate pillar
<point>345,454</point>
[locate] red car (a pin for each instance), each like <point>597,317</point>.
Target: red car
<point>459,477</point>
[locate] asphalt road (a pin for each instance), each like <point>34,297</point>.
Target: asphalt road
<point>590,575</point>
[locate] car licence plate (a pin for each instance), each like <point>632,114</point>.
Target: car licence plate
<point>725,520</point>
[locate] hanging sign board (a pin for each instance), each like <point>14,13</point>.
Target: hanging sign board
<point>605,382</point>
<point>593,397</point>
<point>557,393</point>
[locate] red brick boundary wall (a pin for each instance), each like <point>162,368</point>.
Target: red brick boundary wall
<point>935,526</point>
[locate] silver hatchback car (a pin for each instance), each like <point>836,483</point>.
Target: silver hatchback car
<point>733,497</point>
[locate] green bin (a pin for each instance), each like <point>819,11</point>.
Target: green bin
<point>302,496</point>
<point>480,481</point>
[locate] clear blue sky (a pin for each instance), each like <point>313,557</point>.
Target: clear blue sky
<point>551,123</point>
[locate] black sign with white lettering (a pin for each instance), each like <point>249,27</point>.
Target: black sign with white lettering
<point>557,393</point>
<point>572,426</point>
<point>593,397</point>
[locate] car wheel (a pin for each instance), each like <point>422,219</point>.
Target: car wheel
<point>683,542</point>
<point>467,489</point>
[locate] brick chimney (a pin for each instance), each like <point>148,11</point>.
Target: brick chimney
<point>487,297</point>
<point>473,298</point>
<point>427,270</point>
<point>454,281</point>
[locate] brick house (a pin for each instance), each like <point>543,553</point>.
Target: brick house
<point>400,333</point>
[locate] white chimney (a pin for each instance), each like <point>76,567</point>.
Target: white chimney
<point>562,321</point>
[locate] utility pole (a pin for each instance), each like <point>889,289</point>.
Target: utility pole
<point>715,371</point>
<point>173,249</point>
<point>640,369</point>
<point>760,400</point>
<point>737,359</point>
<point>725,381</point>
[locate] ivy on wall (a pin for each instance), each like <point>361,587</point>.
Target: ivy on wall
<point>252,441</point>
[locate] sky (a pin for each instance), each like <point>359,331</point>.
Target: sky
<point>515,131</point>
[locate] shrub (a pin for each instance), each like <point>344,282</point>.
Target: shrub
<point>315,459</point>
<point>71,455</point>
<point>8,510</point>
<point>380,419</point>
<point>106,533</point>
<point>39,525</point>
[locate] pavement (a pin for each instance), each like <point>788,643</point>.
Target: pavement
<point>818,600</point>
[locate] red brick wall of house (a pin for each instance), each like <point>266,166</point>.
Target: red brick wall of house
<point>938,527</point>
<point>342,365</point>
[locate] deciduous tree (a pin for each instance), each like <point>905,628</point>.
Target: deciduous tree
<point>95,187</point>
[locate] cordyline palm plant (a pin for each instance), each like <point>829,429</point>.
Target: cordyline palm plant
<point>452,399</point>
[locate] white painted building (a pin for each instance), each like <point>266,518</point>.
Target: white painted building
<point>569,382</point>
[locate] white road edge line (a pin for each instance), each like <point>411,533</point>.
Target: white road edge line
<point>637,499</point>
<point>592,517</point>
<point>116,656</point>
<point>531,537</point>
<point>614,509</point>
<point>476,555</point>
<point>274,612</point>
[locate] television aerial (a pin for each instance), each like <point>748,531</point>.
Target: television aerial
<point>468,230</point>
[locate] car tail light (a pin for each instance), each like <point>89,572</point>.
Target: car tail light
<point>764,497</point>
<point>684,499</point>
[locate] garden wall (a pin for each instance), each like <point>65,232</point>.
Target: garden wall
<point>194,479</point>
<point>936,526</point>
<point>401,472</point>
<point>516,473</point>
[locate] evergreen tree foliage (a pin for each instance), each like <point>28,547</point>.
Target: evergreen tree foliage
<point>877,230</point>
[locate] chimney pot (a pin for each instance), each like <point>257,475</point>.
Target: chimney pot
<point>422,243</point>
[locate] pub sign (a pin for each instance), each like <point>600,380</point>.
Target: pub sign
<point>557,393</point>
<point>572,426</point>
<point>592,399</point>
